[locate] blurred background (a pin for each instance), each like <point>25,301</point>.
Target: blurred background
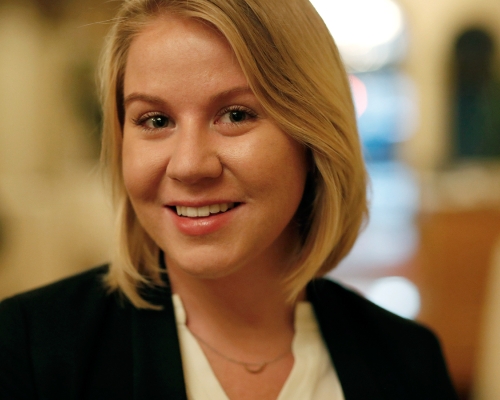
<point>426,81</point>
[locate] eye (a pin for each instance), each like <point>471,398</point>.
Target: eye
<point>236,115</point>
<point>153,121</point>
<point>156,122</point>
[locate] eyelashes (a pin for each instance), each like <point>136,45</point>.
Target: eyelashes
<point>228,117</point>
<point>152,121</point>
<point>236,115</point>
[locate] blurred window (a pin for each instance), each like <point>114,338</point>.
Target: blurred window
<point>476,96</point>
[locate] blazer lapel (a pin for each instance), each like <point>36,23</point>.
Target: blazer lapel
<point>356,375</point>
<point>158,372</point>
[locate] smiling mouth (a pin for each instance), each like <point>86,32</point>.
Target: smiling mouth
<point>205,211</point>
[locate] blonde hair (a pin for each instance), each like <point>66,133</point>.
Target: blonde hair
<point>294,68</point>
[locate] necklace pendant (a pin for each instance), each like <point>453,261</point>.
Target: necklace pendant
<point>255,368</point>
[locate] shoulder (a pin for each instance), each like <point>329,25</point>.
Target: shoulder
<point>45,332</point>
<point>68,292</point>
<point>342,310</point>
<point>336,300</point>
<point>404,356</point>
<point>55,309</point>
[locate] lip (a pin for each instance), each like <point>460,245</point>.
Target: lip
<point>198,203</point>
<point>200,226</point>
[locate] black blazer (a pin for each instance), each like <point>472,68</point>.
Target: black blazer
<point>70,340</point>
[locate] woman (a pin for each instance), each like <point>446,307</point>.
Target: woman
<point>231,142</point>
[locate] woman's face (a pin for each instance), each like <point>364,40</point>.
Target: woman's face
<point>213,180</point>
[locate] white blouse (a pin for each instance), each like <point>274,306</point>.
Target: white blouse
<point>313,376</point>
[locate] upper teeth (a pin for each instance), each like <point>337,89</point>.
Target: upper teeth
<point>204,211</point>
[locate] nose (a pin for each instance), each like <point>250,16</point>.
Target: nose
<point>193,155</point>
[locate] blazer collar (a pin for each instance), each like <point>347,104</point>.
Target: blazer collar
<point>158,372</point>
<point>357,377</point>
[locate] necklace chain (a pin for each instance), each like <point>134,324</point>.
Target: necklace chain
<point>252,367</point>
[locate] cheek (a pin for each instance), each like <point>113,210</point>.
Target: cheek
<point>293,172</point>
<point>142,170</point>
<point>278,166</point>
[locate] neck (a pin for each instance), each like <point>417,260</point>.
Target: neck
<point>249,303</point>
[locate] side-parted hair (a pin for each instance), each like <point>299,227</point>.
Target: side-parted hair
<point>294,69</point>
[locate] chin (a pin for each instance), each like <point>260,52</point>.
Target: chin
<point>207,272</point>
<point>214,269</point>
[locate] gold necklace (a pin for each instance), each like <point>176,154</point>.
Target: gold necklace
<point>253,368</point>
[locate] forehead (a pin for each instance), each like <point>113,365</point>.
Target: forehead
<point>180,30</point>
<point>180,37</point>
<point>182,47</point>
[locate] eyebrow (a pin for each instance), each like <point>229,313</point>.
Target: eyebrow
<point>158,100</point>
<point>232,92</point>
<point>142,97</point>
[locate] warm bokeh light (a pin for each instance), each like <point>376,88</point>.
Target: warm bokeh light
<point>366,31</point>
<point>396,294</point>
<point>381,20</point>
<point>360,94</point>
